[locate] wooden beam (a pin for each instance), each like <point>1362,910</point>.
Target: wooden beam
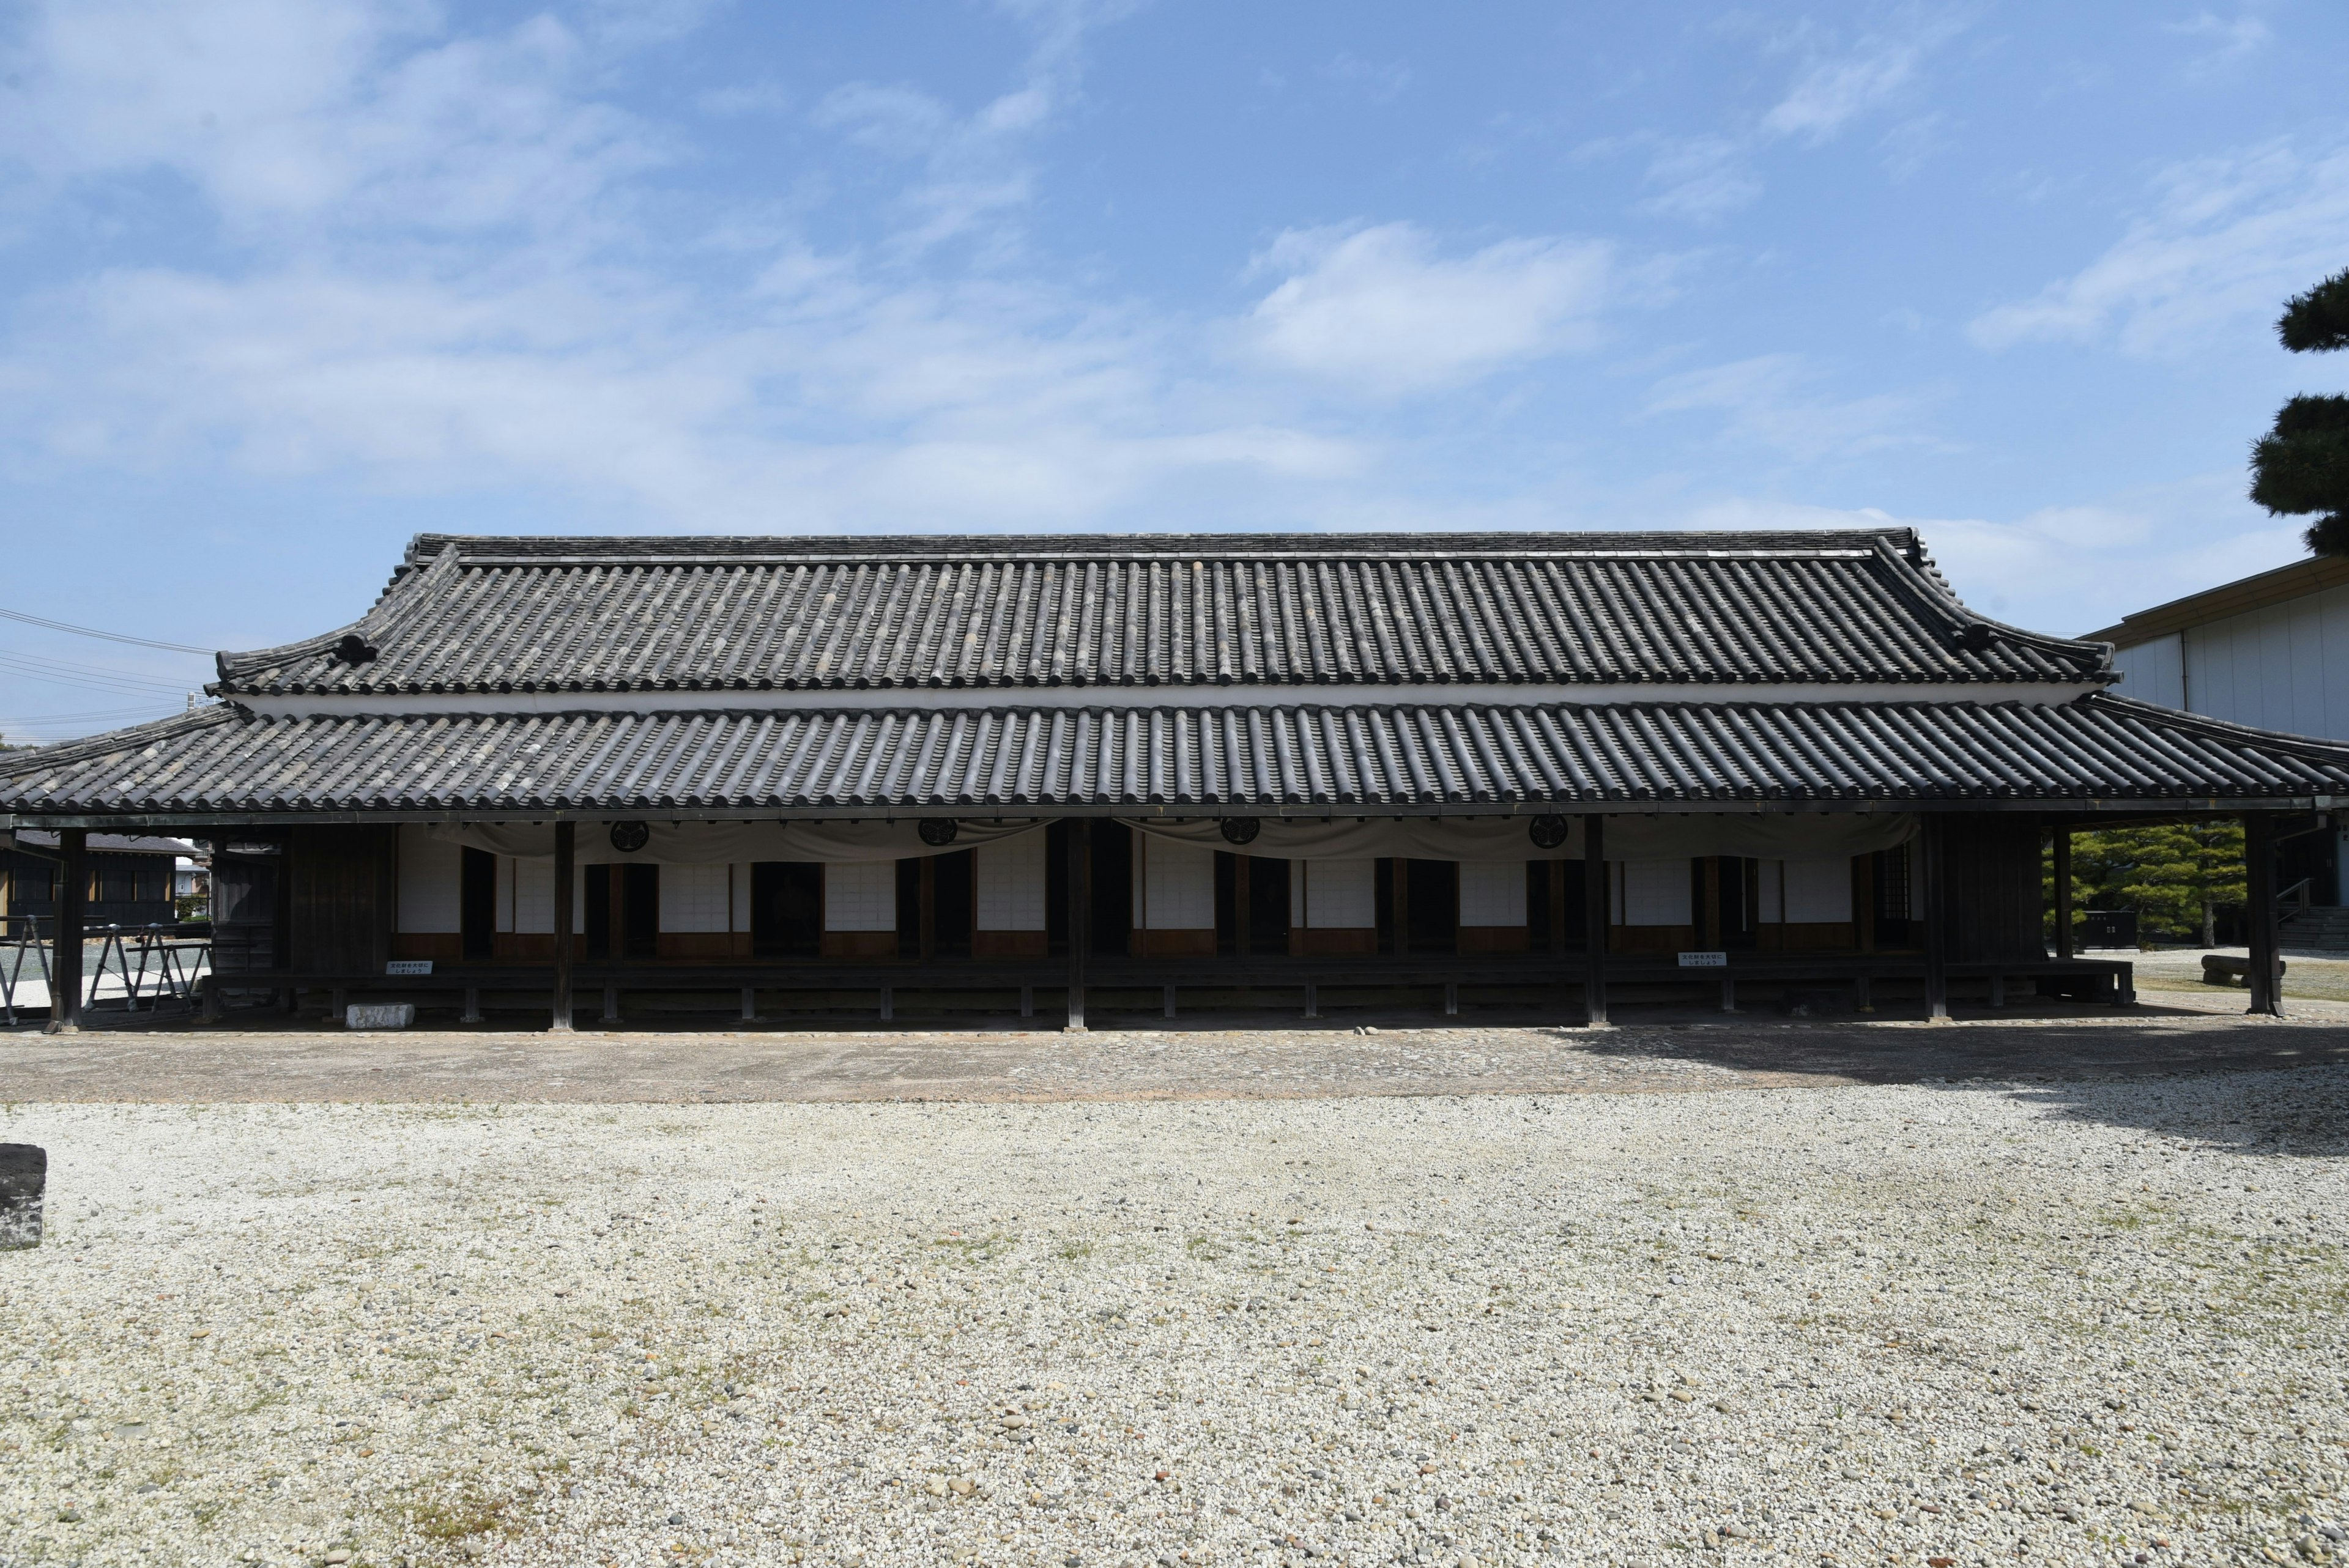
<point>2064,934</point>
<point>930,907</point>
<point>1557,909</point>
<point>1243,922</point>
<point>64,967</point>
<point>1710,913</point>
<point>567,873</point>
<point>1936,933</point>
<point>1594,921</point>
<point>1398,900</point>
<point>2265,976</point>
<point>1080,918</point>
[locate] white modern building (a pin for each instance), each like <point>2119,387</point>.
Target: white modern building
<point>2269,651</point>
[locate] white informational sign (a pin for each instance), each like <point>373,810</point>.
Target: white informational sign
<point>409,966</point>
<point>1704,960</point>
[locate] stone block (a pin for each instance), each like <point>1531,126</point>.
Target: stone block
<point>24,1179</point>
<point>379,1015</point>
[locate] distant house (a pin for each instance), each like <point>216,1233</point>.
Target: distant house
<point>2270,652</point>
<point>131,878</point>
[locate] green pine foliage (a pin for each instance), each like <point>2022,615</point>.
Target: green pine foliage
<point>2300,467</point>
<point>2178,877</point>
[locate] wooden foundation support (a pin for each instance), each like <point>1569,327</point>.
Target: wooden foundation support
<point>1081,916</point>
<point>64,967</point>
<point>472,1014</point>
<point>1594,921</point>
<point>750,1004</point>
<point>1936,932</point>
<point>2063,891</point>
<point>2265,975</point>
<point>611,1003</point>
<point>567,873</point>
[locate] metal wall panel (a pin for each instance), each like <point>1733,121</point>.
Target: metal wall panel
<point>2153,670</point>
<point>2285,667</point>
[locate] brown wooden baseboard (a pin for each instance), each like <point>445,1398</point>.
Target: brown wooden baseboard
<point>1006,944</point>
<point>1492,939</point>
<point>860,944</point>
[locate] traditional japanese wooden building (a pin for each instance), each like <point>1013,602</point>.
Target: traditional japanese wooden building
<point>1007,772</point>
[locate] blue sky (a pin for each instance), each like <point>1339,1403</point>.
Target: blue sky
<point>291,280</point>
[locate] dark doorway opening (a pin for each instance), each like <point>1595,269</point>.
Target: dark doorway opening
<point>639,910</point>
<point>1432,905</point>
<point>786,909</point>
<point>477,905</point>
<point>595,890</point>
<point>953,894</point>
<point>1113,890</point>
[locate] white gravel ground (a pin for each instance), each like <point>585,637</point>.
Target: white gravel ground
<point>1938,1323</point>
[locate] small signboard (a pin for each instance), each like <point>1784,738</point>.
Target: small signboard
<point>1704,960</point>
<point>409,966</point>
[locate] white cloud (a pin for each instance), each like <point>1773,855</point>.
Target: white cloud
<point>446,284</point>
<point>1379,309</point>
<point>1702,178</point>
<point>1836,88</point>
<point>1768,400</point>
<point>2067,569</point>
<point>1382,84</point>
<point>282,110</point>
<point>2231,39</point>
<point>2224,243</point>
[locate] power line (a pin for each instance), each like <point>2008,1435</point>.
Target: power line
<point>27,667</point>
<point>89,715</point>
<point>88,632</point>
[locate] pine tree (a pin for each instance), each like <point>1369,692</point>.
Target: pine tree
<point>2176,877</point>
<point>2302,466</point>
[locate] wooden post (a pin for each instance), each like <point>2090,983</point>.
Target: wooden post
<point>1399,900</point>
<point>1557,909</point>
<point>2263,977</point>
<point>929,911</point>
<point>1711,913</point>
<point>1243,924</point>
<point>1863,878</point>
<point>1081,916</point>
<point>1936,933</point>
<point>1594,921</point>
<point>65,970</point>
<point>2064,937</point>
<point>566,871</point>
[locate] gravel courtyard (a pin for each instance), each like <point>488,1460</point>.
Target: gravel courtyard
<point>1929,1322</point>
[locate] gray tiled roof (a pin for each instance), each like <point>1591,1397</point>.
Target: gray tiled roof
<point>583,615</point>
<point>1221,758</point>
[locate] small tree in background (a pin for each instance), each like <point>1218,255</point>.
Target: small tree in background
<point>2176,877</point>
<point>2302,466</point>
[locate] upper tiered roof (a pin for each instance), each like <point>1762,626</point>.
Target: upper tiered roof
<point>546,615</point>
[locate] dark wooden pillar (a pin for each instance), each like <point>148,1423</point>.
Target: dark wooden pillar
<point>1710,913</point>
<point>1243,915</point>
<point>73,893</point>
<point>929,911</point>
<point>1080,915</point>
<point>1594,920</point>
<point>2264,977</point>
<point>1557,909</point>
<point>1929,884</point>
<point>566,871</point>
<point>1398,900</point>
<point>2064,889</point>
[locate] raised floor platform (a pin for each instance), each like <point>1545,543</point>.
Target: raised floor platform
<point>606,991</point>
